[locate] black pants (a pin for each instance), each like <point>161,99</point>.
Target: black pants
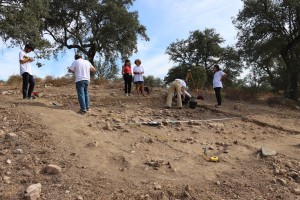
<point>128,81</point>
<point>27,80</point>
<point>218,94</point>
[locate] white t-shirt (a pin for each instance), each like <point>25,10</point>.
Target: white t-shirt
<point>217,79</point>
<point>81,69</point>
<point>26,67</point>
<point>138,77</point>
<point>182,82</point>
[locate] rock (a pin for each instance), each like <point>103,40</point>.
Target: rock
<point>6,179</point>
<point>33,191</point>
<point>79,198</point>
<point>2,133</point>
<point>267,152</point>
<point>18,151</point>
<point>51,169</point>
<point>92,144</point>
<point>296,191</point>
<point>11,135</point>
<point>281,181</point>
<point>157,187</point>
<point>218,183</point>
<point>113,94</point>
<point>8,161</point>
<point>108,127</point>
<point>292,174</point>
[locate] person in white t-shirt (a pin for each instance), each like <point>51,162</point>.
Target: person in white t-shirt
<point>217,83</point>
<point>26,72</point>
<point>82,68</point>
<point>178,86</point>
<point>138,72</point>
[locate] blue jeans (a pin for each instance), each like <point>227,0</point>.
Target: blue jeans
<point>83,94</point>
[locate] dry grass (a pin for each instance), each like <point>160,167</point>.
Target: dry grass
<point>50,80</point>
<point>14,80</point>
<point>241,94</point>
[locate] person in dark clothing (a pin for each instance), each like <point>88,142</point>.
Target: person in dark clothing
<point>127,76</point>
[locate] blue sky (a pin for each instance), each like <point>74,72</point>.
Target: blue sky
<point>165,20</point>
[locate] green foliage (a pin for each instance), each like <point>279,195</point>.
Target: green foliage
<point>153,82</point>
<point>269,40</point>
<point>104,28</point>
<point>106,70</point>
<point>203,49</point>
<point>195,74</point>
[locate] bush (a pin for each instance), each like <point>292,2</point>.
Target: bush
<point>50,80</point>
<point>241,94</point>
<point>14,80</point>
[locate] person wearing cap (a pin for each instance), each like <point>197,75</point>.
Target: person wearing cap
<point>82,68</point>
<point>138,72</point>
<point>26,72</point>
<point>178,87</point>
<point>127,76</point>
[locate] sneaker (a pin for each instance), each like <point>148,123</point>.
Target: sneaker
<point>126,94</point>
<point>82,112</point>
<point>33,97</point>
<point>129,94</point>
<point>88,110</point>
<point>217,106</point>
<point>167,107</point>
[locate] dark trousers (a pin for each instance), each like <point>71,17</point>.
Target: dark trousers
<point>127,81</point>
<point>218,94</point>
<point>27,80</point>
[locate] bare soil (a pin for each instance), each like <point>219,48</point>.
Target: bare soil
<point>113,153</point>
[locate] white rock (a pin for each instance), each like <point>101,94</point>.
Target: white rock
<point>267,152</point>
<point>6,179</point>
<point>33,192</point>
<point>18,151</point>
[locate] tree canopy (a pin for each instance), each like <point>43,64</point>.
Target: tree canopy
<point>269,38</point>
<point>94,27</point>
<point>203,49</point>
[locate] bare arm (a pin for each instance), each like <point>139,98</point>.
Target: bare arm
<point>25,61</point>
<point>92,69</point>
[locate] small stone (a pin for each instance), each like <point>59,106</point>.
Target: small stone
<point>92,144</point>
<point>218,183</point>
<point>18,151</point>
<point>51,169</point>
<point>296,191</point>
<point>11,135</point>
<point>292,174</point>
<point>79,198</point>
<point>6,179</point>
<point>281,181</point>
<point>33,191</point>
<point>157,187</point>
<point>8,161</point>
<point>267,152</point>
<point>108,127</point>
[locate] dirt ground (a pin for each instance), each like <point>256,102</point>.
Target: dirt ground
<point>112,152</point>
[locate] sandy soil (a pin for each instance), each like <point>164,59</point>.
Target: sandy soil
<point>113,153</point>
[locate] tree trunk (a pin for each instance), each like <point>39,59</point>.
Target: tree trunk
<point>293,88</point>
